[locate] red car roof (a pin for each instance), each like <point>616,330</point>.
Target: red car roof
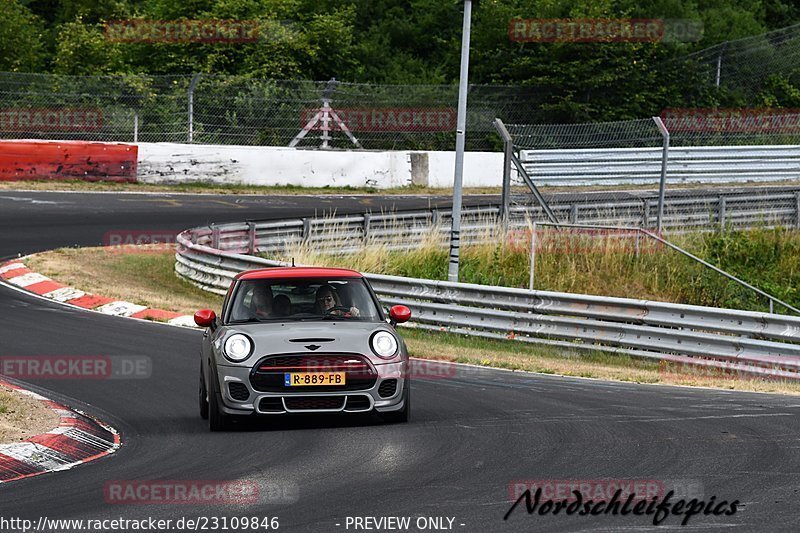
<point>298,272</point>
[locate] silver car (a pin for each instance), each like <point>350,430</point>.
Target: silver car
<point>302,340</point>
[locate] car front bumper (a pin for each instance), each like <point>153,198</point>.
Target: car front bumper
<point>307,400</point>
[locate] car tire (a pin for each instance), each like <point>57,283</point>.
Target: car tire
<point>217,420</point>
<point>203,396</point>
<point>403,415</point>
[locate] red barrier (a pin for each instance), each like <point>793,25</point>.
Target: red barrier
<point>67,160</point>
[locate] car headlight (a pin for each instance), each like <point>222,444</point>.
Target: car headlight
<point>384,344</point>
<point>238,347</point>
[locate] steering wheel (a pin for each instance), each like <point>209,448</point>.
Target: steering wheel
<point>342,308</point>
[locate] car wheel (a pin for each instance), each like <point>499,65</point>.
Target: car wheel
<point>203,396</point>
<point>217,420</point>
<point>404,414</point>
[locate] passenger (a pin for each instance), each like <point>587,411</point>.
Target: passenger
<point>282,305</point>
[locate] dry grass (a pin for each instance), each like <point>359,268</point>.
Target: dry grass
<point>585,261</point>
<point>514,355</point>
<point>215,188</point>
<point>22,417</point>
<point>212,188</point>
<point>141,275</point>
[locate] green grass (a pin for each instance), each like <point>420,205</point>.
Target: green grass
<point>568,262</point>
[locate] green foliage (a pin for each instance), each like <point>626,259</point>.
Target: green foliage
<point>418,42</point>
<point>21,42</point>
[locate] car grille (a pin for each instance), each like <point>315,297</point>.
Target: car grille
<point>387,388</point>
<point>268,374</point>
<point>302,403</point>
<point>238,391</point>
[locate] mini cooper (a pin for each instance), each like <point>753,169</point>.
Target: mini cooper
<point>302,340</point>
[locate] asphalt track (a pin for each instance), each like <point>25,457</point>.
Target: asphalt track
<point>472,433</point>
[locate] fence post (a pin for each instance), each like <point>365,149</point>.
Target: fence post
<point>136,125</point>
<point>508,147</point>
<point>663,183</point>
<point>192,86</point>
<point>533,255</point>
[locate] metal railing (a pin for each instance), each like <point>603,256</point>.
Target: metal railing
<point>752,342</point>
<point>636,166</point>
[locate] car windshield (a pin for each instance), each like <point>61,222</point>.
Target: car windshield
<point>266,300</point>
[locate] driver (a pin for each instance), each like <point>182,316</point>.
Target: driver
<point>328,302</point>
<point>262,302</point>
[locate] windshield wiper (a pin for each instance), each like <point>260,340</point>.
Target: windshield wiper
<point>254,319</point>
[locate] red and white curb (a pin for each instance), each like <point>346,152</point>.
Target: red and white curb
<point>78,439</point>
<point>17,274</point>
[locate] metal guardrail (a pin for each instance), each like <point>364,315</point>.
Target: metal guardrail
<point>751,342</point>
<point>739,208</point>
<point>628,166</point>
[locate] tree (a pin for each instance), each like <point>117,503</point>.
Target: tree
<point>21,38</point>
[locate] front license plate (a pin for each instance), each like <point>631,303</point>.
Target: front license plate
<point>311,379</point>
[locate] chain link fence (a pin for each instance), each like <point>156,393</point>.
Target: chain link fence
<point>742,66</point>
<point>213,109</point>
<point>639,172</point>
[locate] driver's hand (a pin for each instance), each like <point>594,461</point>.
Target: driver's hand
<point>354,311</point>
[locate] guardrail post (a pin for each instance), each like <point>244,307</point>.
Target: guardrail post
<point>646,213</point>
<point>251,238</point>
<point>722,211</point>
<point>214,237</point>
<point>367,218</point>
<point>306,229</point>
<point>797,210</point>
<point>573,213</point>
<point>533,254</point>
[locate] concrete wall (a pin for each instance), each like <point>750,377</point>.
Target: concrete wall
<point>264,165</point>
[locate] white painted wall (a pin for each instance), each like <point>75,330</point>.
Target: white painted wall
<point>481,169</point>
<point>266,165</point>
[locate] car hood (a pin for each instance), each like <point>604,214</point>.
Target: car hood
<point>301,337</point>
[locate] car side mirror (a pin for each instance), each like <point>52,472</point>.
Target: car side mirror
<point>205,318</point>
<point>399,314</point>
